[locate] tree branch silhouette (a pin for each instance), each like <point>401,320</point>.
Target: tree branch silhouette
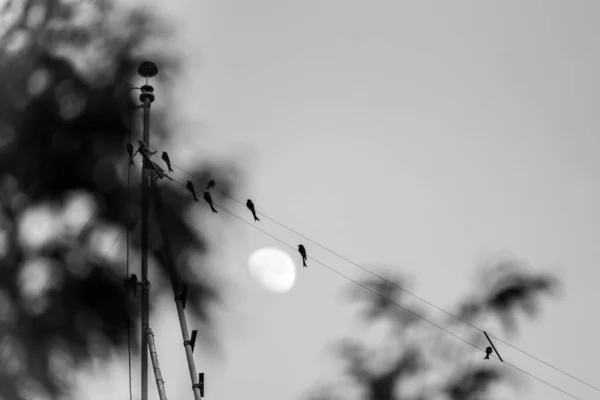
<point>425,366</point>
<point>64,123</point>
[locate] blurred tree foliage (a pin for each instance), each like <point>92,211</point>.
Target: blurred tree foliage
<point>417,361</point>
<point>64,121</point>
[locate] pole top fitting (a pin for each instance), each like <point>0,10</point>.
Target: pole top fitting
<point>147,69</point>
<point>147,94</point>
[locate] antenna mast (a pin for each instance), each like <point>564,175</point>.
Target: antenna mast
<point>147,70</point>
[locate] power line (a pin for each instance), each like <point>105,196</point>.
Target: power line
<point>372,291</point>
<point>365,287</point>
<point>398,305</point>
<point>397,286</point>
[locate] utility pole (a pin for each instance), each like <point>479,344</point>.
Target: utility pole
<point>147,70</point>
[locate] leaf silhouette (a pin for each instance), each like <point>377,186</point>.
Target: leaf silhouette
<point>64,123</point>
<point>505,289</point>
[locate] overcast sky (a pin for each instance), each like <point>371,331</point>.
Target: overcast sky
<point>423,135</point>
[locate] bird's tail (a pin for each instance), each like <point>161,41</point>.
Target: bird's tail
<point>170,169</point>
<point>256,218</point>
<point>304,262</point>
<point>487,357</point>
<point>213,209</point>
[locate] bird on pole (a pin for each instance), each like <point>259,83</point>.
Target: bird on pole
<point>211,184</point>
<point>143,150</point>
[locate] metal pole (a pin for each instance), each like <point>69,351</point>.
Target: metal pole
<point>177,287</point>
<point>160,384</point>
<point>146,69</point>
<point>145,293</point>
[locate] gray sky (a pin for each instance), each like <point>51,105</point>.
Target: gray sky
<point>421,135</point>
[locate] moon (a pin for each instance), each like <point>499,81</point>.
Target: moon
<point>273,269</point>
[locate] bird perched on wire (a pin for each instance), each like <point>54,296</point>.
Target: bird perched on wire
<point>209,201</point>
<point>302,251</point>
<point>211,184</point>
<point>159,171</point>
<point>167,161</point>
<point>143,150</point>
<point>250,206</point>
<point>190,187</point>
<point>129,148</point>
<point>131,283</point>
<point>488,351</point>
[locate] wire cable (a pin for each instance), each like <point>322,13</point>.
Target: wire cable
<point>394,284</point>
<point>398,305</point>
<point>359,284</point>
<point>385,298</point>
<point>376,293</point>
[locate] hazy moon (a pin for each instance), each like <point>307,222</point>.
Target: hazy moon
<point>273,269</point>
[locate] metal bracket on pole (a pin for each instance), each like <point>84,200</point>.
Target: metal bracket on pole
<point>193,339</point>
<point>182,296</point>
<point>200,384</point>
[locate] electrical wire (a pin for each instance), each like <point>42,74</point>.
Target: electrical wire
<point>402,307</point>
<point>387,299</point>
<point>396,285</point>
<point>365,287</point>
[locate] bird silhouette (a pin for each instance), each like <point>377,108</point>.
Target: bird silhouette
<point>209,201</point>
<point>488,351</point>
<point>190,187</point>
<point>302,251</point>
<point>131,283</point>
<point>250,206</point>
<point>211,184</point>
<point>129,148</point>
<point>144,150</point>
<point>167,161</point>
